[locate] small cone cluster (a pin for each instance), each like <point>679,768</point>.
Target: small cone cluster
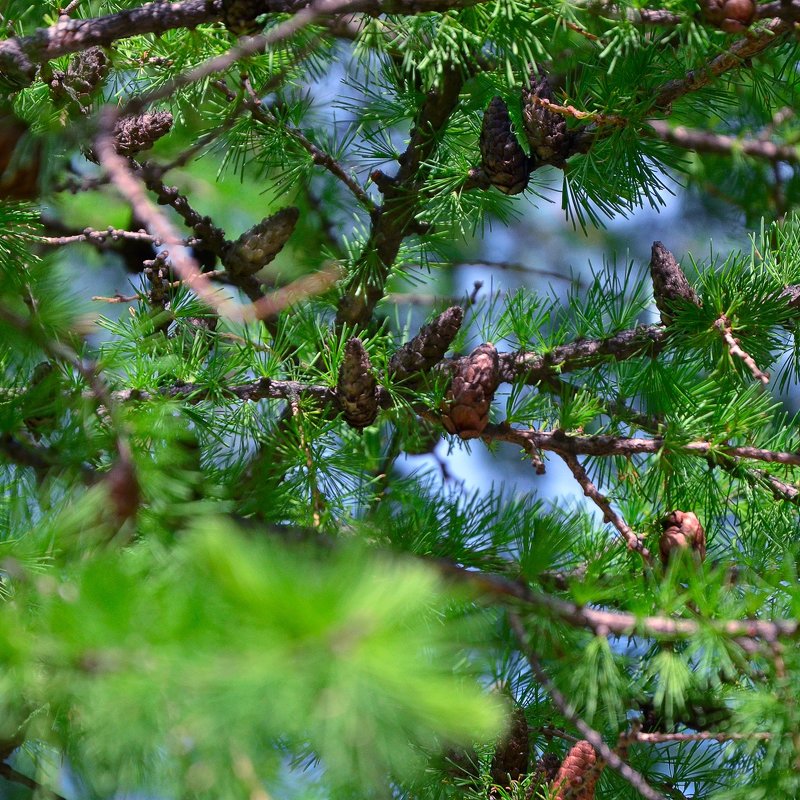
<point>239,16</point>
<point>545,130</point>
<point>428,347</point>
<point>256,247</point>
<point>504,161</point>
<point>466,410</point>
<point>357,387</point>
<point>85,74</point>
<point>669,282</point>
<point>136,133</point>
<point>577,777</point>
<point>681,531</point>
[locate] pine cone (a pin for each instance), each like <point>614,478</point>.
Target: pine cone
<point>578,774</point>
<point>732,16</point>
<point>504,161</point>
<point>239,16</point>
<point>123,490</point>
<point>428,347</point>
<point>140,132</point>
<point>467,404</point>
<point>357,388</point>
<point>682,530</point>
<point>669,282</point>
<point>20,159</point>
<point>545,130</point>
<point>86,72</point>
<point>510,762</point>
<point>256,247</point>
<point>546,769</point>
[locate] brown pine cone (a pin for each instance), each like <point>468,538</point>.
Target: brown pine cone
<point>682,530</point>
<point>86,72</point>
<point>20,158</point>
<point>577,777</point>
<point>123,490</point>
<point>140,132</point>
<point>545,130</point>
<point>504,161</point>
<point>669,282</point>
<point>256,247</point>
<point>239,16</point>
<point>466,408</point>
<point>357,388</point>
<point>510,762</point>
<point>546,769</point>
<point>732,16</point>
<point>428,347</point>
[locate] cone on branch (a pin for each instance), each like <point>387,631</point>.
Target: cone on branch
<point>681,531</point>
<point>732,16</point>
<point>259,245</point>
<point>466,406</point>
<point>85,74</point>
<point>578,775</point>
<point>512,756</point>
<point>545,771</point>
<point>503,160</point>
<point>140,132</point>
<point>428,347</point>
<point>669,282</point>
<point>239,16</point>
<point>546,132</point>
<point>357,387</point>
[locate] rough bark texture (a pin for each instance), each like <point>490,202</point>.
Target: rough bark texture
<point>669,282</point>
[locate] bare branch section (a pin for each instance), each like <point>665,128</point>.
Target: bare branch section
<point>617,623</point>
<point>633,540</point>
<point>636,779</point>
<point>402,198</point>
<point>723,325</point>
<point>706,142</point>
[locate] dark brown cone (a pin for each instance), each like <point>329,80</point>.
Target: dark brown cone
<point>510,762</point>
<point>682,530</point>
<point>578,774</point>
<point>357,388</point>
<point>732,16</point>
<point>86,72</point>
<point>428,347</point>
<point>123,490</point>
<point>137,133</point>
<point>256,247</point>
<point>545,130</point>
<point>546,769</point>
<point>669,282</point>
<point>20,159</point>
<point>466,409</point>
<point>504,161</point>
<point>239,16</point>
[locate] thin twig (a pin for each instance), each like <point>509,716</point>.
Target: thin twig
<point>699,736</point>
<point>636,779</point>
<point>723,325</point>
<point>633,540</point>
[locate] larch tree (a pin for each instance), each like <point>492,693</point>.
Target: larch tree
<point>221,575</point>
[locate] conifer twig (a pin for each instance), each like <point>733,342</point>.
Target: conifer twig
<point>723,325</point>
<point>636,779</point>
<point>633,540</point>
<point>697,736</point>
